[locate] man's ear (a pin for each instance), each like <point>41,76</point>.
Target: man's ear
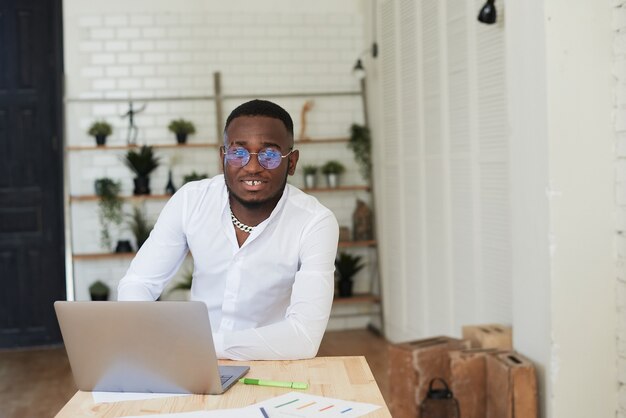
<point>292,162</point>
<point>222,158</point>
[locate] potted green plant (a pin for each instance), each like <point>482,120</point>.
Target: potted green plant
<point>139,226</point>
<point>100,130</point>
<point>347,266</point>
<point>193,176</point>
<point>310,176</point>
<point>142,163</point>
<point>109,208</point>
<point>332,169</point>
<point>182,128</point>
<point>360,144</point>
<point>99,290</point>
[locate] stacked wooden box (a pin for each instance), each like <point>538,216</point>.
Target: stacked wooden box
<point>488,379</point>
<point>412,366</point>
<point>489,336</point>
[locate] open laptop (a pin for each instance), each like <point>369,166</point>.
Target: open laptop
<point>161,347</point>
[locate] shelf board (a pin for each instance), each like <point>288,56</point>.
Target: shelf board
<point>320,140</point>
<point>103,256</point>
<point>89,198</point>
<point>128,147</point>
<point>336,189</point>
<point>192,145</point>
<point>348,244</point>
<point>357,298</point>
<point>112,256</point>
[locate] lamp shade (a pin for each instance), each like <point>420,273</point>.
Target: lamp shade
<point>358,71</point>
<point>488,13</point>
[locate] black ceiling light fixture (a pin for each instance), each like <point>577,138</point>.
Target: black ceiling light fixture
<point>488,13</point>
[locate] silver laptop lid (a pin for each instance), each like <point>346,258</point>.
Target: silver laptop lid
<point>142,347</point>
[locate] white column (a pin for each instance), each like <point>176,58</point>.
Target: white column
<point>564,314</point>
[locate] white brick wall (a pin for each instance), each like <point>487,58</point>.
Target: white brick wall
<point>316,51</point>
<point>619,71</point>
<point>113,57</point>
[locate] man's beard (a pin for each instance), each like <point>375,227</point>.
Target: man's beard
<point>256,204</point>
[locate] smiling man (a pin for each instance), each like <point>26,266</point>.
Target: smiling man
<point>263,250</point>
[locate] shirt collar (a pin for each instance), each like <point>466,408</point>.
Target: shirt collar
<point>263,225</point>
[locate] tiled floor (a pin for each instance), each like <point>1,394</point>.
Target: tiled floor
<point>37,383</point>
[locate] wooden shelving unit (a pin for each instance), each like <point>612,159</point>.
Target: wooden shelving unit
<point>209,143</point>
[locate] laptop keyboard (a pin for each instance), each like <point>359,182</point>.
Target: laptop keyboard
<point>225,379</point>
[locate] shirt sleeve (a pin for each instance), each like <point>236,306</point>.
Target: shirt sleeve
<point>298,336</point>
<point>160,257</point>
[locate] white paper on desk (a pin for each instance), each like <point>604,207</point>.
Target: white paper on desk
<point>303,405</point>
<point>106,397</point>
<point>248,412</point>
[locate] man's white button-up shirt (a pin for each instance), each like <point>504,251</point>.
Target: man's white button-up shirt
<point>269,298</point>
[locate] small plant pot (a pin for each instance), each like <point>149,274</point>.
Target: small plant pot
<point>97,187</point>
<point>123,246</point>
<point>142,185</point>
<point>101,140</point>
<point>310,181</point>
<point>99,291</point>
<point>181,138</point>
<point>99,297</point>
<point>332,180</point>
<point>345,288</point>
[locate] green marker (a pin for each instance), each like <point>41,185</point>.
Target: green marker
<point>275,383</point>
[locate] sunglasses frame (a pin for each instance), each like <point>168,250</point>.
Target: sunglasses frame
<point>225,151</point>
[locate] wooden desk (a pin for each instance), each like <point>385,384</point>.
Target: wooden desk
<point>346,378</point>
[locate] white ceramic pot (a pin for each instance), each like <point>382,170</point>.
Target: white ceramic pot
<point>332,180</point>
<point>309,181</point>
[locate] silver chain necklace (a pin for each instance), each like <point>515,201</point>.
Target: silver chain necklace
<point>239,224</point>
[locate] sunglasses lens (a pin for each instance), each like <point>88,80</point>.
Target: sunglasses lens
<point>237,156</point>
<point>269,158</point>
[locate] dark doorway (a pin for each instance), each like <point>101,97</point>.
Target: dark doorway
<point>32,270</point>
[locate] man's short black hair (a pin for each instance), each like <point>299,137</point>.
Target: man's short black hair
<point>261,108</point>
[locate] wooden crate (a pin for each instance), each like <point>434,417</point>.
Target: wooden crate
<point>489,336</point>
<point>412,365</point>
<point>468,380</point>
<point>511,386</point>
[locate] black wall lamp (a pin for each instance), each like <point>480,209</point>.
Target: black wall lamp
<point>358,70</point>
<point>488,13</point>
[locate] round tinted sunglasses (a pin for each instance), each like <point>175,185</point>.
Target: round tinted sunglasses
<point>269,158</point>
